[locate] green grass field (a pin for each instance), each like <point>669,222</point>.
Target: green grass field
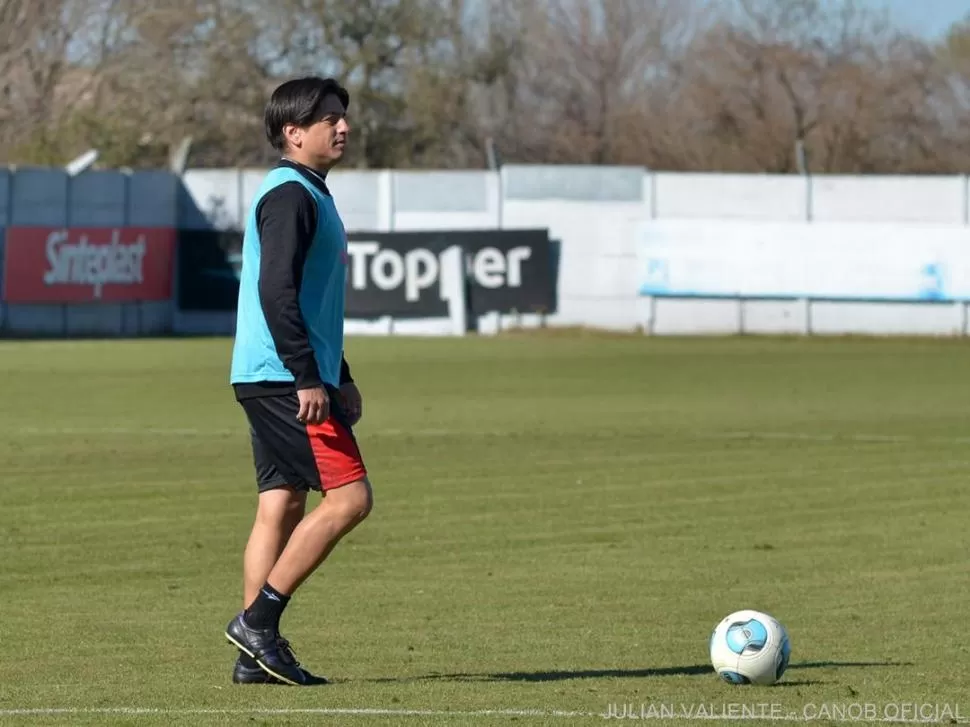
<point>559,522</point>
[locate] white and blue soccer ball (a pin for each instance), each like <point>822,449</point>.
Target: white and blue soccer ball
<point>750,647</point>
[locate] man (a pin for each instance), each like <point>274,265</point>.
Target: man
<point>290,376</point>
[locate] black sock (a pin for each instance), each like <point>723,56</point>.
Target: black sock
<point>265,611</point>
<point>247,661</point>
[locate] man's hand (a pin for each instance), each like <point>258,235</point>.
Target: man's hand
<point>351,402</point>
<point>314,405</point>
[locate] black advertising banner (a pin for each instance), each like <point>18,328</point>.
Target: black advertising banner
<point>208,270</point>
<point>399,273</point>
<point>392,273</point>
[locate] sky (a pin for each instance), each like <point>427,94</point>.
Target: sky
<point>926,17</point>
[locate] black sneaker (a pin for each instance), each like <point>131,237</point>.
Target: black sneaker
<point>272,653</point>
<point>309,680</point>
<point>242,674</point>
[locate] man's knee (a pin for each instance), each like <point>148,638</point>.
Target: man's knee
<point>353,502</point>
<point>366,503</point>
<point>281,506</point>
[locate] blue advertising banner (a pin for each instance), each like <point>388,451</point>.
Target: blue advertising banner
<point>824,261</point>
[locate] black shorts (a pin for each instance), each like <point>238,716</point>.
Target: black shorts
<point>287,452</point>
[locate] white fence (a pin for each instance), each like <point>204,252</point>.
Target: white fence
<point>595,213</point>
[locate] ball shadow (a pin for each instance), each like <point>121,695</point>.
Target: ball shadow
<point>550,675</point>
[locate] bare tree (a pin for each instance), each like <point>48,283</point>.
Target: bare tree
<point>35,39</point>
<point>667,84</point>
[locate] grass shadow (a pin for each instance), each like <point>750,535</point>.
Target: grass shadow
<point>845,664</point>
<point>666,671</point>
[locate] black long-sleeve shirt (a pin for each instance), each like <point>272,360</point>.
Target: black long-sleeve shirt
<point>286,218</point>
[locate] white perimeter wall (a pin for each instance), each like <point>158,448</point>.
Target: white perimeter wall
<point>592,212</point>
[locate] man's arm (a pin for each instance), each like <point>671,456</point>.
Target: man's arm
<point>349,394</point>
<point>286,219</point>
<point>345,377</point>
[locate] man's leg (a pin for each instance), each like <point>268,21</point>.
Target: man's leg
<point>315,537</point>
<point>278,511</point>
<point>341,510</point>
<point>322,457</point>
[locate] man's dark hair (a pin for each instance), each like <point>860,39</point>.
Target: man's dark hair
<point>300,102</point>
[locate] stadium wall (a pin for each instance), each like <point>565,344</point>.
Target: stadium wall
<point>595,216</point>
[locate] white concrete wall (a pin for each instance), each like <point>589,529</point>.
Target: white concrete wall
<point>929,200</point>
<point>593,215</point>
<point>591,212</point>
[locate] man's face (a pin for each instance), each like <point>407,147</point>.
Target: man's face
<point>325,140</point>
<point>322,143</point>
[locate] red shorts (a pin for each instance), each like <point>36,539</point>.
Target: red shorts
<point>289,453</point>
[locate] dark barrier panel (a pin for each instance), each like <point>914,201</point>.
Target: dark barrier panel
<point>3,256</point>
<point>208,270</point>
<point>393,273</point>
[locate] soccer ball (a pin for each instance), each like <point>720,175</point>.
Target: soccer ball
<point>750,647</point>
